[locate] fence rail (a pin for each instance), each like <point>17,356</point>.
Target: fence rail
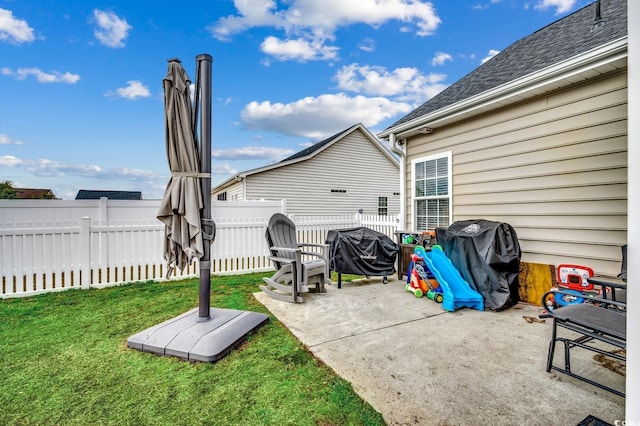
<point>111,246</point>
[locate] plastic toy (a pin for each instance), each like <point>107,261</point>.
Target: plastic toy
<point>417,284</point>
<point>571,279</point>
<point>436,295</point>
<point>456,291</point>
<point>421,282</point>
<point>574,277</point>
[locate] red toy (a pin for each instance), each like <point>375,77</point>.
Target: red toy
<point>420,284</point>
<point>574,277</point>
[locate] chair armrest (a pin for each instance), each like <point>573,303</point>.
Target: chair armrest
<point>281,259</point>
<point>607,282</point>
<point>609,286</point>
<point>324,253</point>
<point>284,259</point>
<point>289,249</point>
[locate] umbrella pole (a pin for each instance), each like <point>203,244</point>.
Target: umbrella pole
<point>217,332</point>
<point>204,78</point>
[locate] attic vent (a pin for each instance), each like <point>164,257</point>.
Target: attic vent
<point>340,191</point>
<point>598,22</point>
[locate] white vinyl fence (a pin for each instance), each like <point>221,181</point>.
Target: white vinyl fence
<point>53,245</point>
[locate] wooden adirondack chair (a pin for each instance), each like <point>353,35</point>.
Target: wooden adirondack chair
<point>298,266</point>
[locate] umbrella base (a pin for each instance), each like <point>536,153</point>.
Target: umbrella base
<point>188,337</point>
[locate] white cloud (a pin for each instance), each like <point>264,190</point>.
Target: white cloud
<point>403,84</point>
<point>9,161</point>
<point>49,168</point>
<point>6,140</point>
<point>134,89</point>
<point>491,54</point>
<point>111,30</point>
<point>561,6</point>
<point>481,6</point>
<point>368,45</point>
<point>252,153</point>
<point>308,24</point>
<point>382,95</point>
<point>440,58</point>
<point>298,49</point>
<point>223,169</point>
<point>320,117</point>
<point>41,76</point>
<point>251,13</point>
<point>14,30</point>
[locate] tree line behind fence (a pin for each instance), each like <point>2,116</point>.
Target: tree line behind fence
<point>53,245</point>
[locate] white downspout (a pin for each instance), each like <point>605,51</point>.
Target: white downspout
<point>401,150</point>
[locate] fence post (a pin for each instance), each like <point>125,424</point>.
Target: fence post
<point>104,213</point>
<point>85,250</point>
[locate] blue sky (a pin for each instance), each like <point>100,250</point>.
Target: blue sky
<point>81,81</point>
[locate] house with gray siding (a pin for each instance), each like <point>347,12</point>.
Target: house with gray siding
<point>535,137</point>
<point>349,172</point>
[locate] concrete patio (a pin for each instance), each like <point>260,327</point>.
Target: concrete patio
<point>419,365</point>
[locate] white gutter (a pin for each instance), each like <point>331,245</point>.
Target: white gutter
<point>400,149</point>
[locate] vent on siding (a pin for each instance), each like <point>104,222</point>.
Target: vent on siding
<point>339,191</point>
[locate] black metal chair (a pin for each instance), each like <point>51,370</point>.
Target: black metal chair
<point>595,320</point>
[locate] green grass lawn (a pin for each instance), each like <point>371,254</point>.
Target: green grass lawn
<point>64,360</point>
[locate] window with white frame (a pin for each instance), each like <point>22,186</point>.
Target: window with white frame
<point>383,206</point>
<point>431,195</point>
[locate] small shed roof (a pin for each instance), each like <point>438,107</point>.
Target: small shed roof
<point>34,193</point>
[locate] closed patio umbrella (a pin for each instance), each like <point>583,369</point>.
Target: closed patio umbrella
<point>201,334</point>
<point>182,201</point>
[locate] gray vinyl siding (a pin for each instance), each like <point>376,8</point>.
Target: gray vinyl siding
<point>554,167</point>
<point>232,190</point>
<point>353,164</point>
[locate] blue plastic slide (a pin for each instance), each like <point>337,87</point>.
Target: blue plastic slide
<point>457,292</point>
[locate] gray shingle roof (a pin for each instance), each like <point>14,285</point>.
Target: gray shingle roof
<point>85,194</point>
<point>313,148</point>
<point>561,40</point>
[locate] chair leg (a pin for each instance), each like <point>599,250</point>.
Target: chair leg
<point>281,296</point>
<point>552,347</point>
<point>286,292</point>
<point>320,285</point>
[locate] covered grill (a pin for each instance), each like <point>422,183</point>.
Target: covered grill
<point>361,251</point>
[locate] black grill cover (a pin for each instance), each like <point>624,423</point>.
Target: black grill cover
<point>487,254</point>
<point>361,251</point>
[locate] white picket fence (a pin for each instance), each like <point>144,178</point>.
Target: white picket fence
<point>54,245</point>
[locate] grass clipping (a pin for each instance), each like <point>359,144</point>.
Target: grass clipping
<point>613,364</point>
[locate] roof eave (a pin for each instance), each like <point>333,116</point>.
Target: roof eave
<point>514,90</point>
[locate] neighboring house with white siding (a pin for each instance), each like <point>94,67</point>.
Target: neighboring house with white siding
<point>349,172</point>
<point>535,137</point>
